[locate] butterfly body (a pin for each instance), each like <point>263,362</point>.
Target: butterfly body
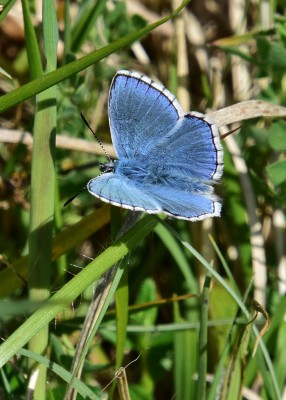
<point>168,160</point>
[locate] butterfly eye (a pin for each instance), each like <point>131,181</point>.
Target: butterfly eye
<point>106,167</point>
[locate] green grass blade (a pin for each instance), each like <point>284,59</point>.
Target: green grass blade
<point>225,266</point>
<point>178,255</point>
<point>82,389</point>
<point>7,5</point>
<point>240,303</point>
<point>121,297</point>
<point>100,302</point>
<point>89,13</point>
<point>203,340</point>
<point>67,31</point>
<point>51,36</point>
<point>42,193</point>
<point>64,242</point>
<point>38,85</point>
<point>94,322</point>
<point>185,359</point>
<point>33,51</point>
<point>74,288</point>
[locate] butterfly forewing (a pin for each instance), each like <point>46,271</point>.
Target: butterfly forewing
<point>140,112</point>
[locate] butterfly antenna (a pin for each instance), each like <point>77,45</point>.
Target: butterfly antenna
<point>100,144</point>
<point>223,136</point>
<point>74,196</point>
<point>96,138</point>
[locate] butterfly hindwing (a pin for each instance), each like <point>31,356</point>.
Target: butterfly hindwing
<point>192,148</point>
<point>119,191</point>
<point>184,205</point>
<point>116,189</point>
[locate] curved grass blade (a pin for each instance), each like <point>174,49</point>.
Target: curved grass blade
<point>45,313</point>
<point>38,85</point>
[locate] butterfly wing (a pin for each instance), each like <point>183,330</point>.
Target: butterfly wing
<point>153,199</point>
<point>146,120</point>
<point>140,112</point>
<point>186,162</point>
<point>191,149</point>
<point>189,205</point>
<point>119,191</point>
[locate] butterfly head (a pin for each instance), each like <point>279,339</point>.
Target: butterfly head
<point>107,167</point>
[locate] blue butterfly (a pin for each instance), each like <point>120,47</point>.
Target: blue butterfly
<point>168,160</point>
